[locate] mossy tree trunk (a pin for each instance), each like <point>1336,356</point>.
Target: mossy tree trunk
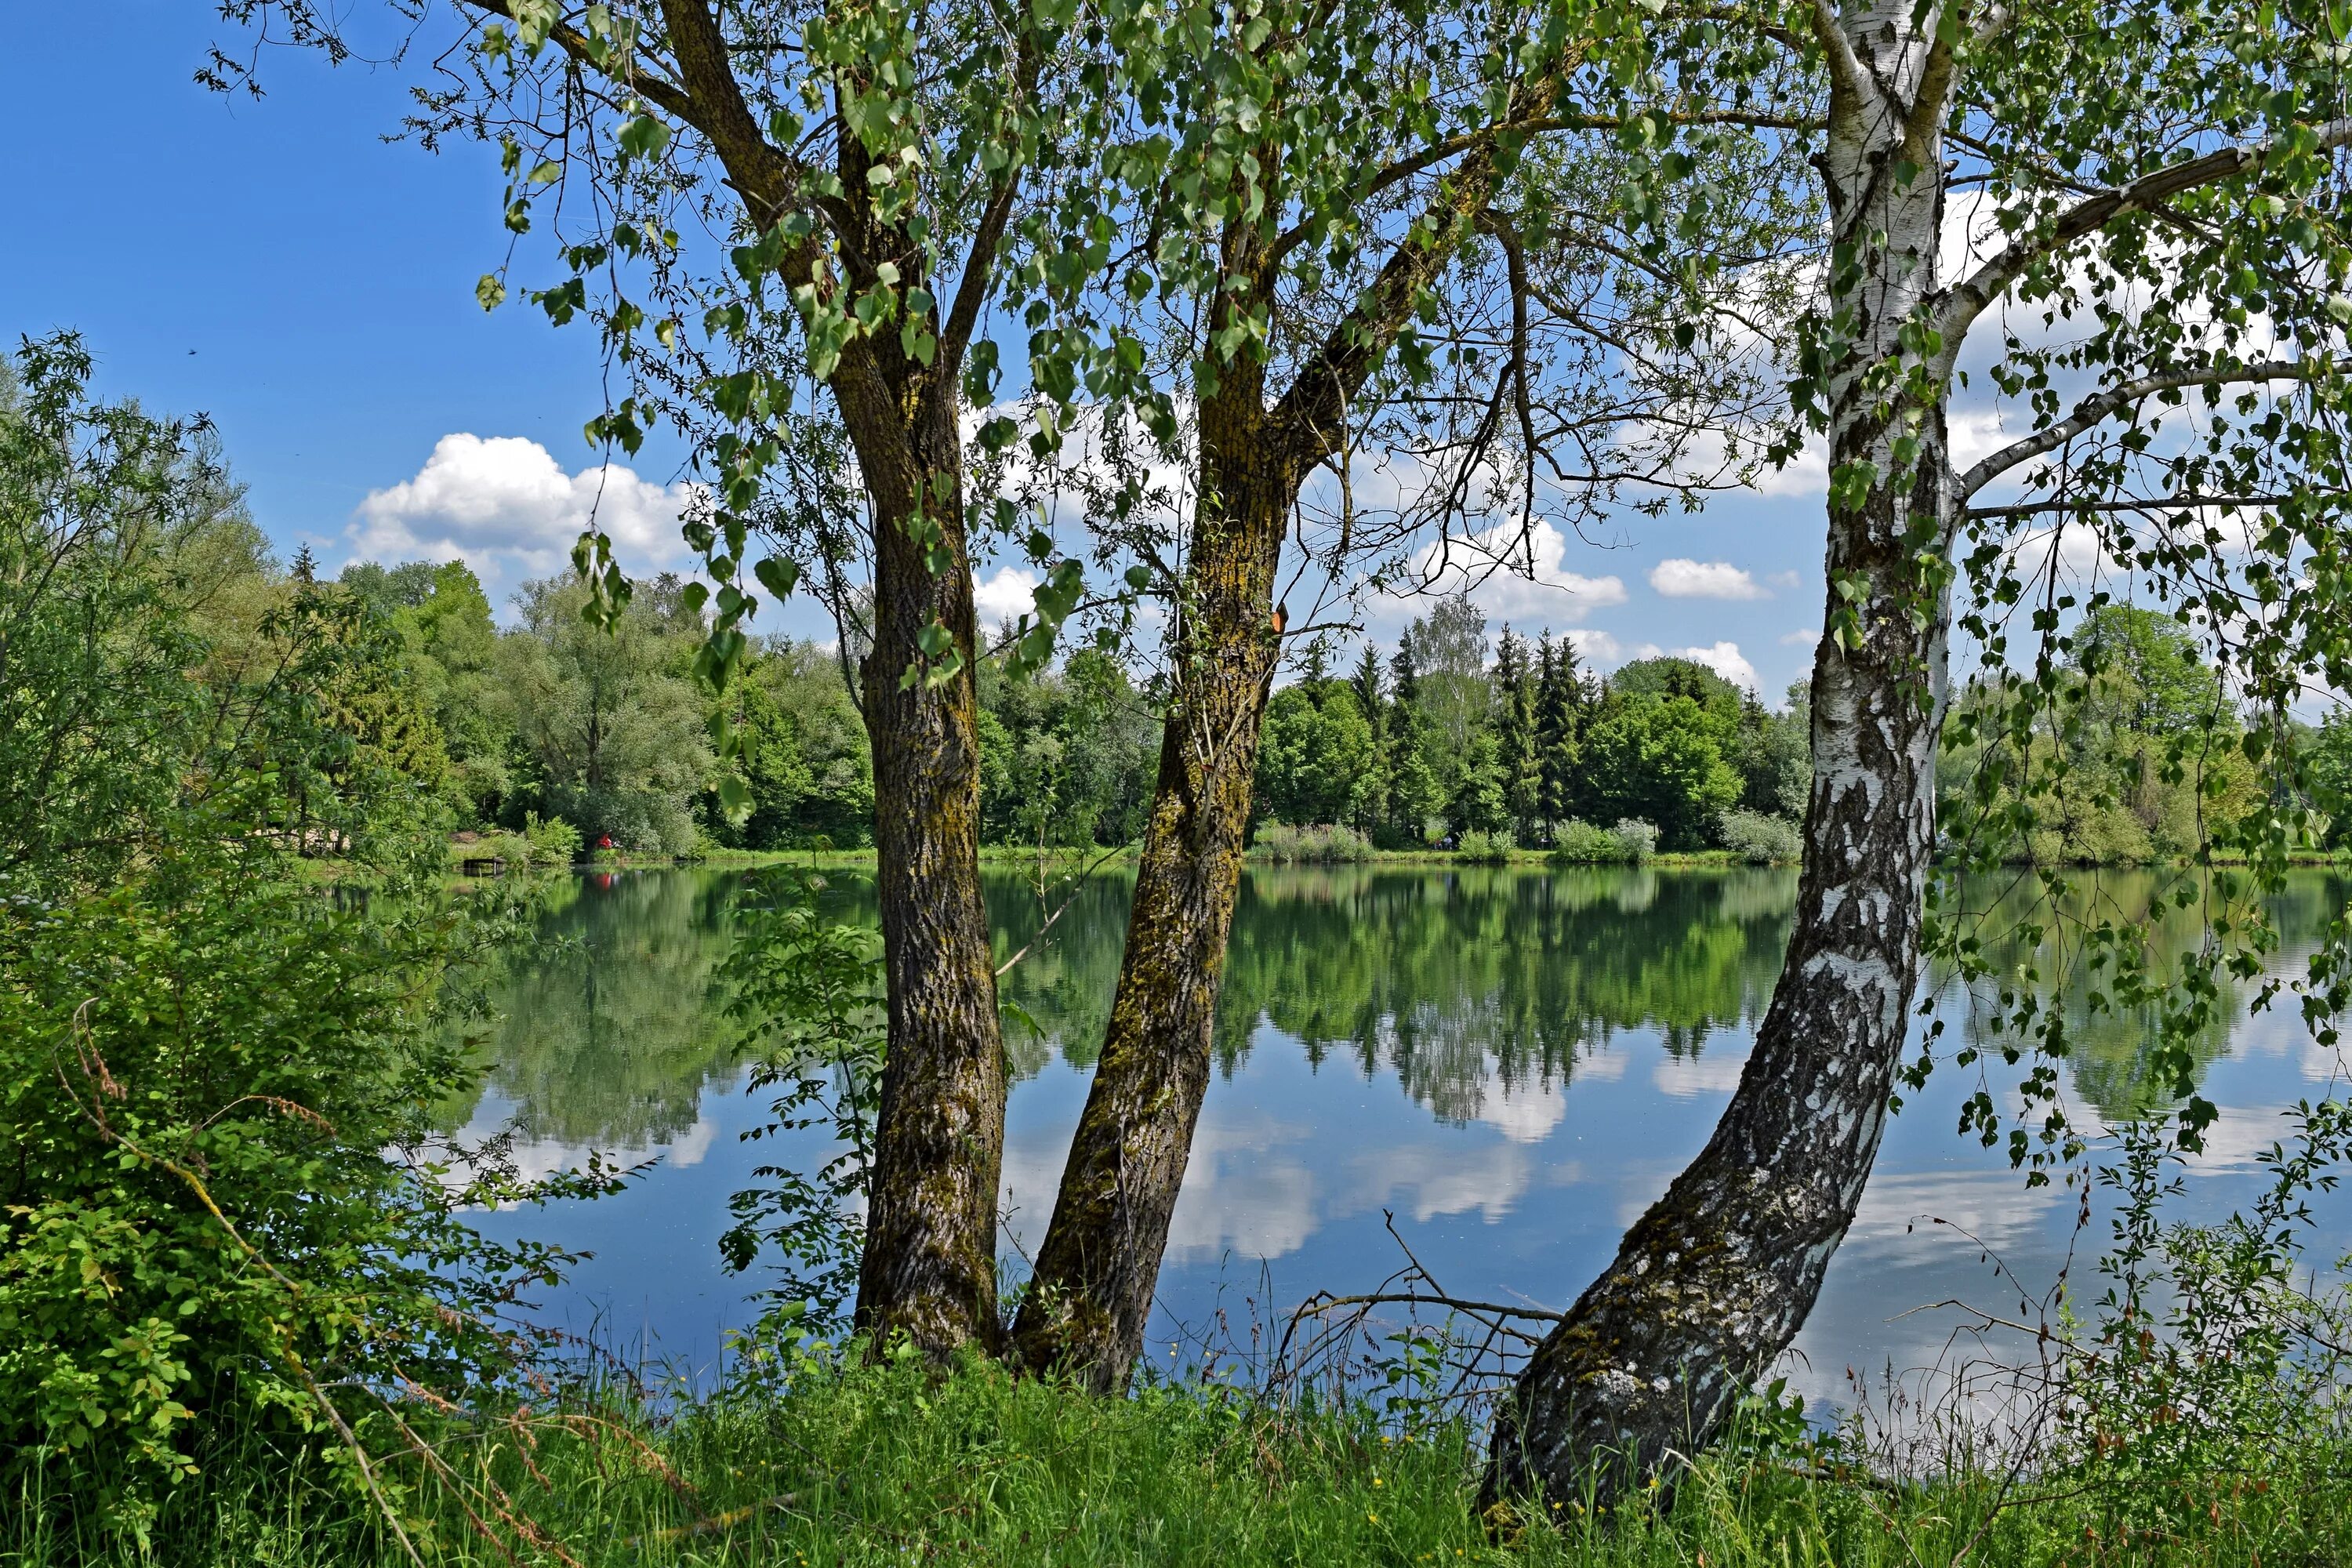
<point>1086,1309</point>
<point>928,1269</point>
<point>1088,1301</point>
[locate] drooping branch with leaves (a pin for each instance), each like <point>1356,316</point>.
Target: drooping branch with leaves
<point>862,172</point>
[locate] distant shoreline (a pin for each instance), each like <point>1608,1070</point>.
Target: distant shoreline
<point>1063,858</point>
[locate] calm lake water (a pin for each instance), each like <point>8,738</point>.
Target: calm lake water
<point>1512,1063</point>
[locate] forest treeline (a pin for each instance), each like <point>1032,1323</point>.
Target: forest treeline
<point>1454,737</point>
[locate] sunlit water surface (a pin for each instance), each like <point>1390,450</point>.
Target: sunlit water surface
<point>1512,1064</point>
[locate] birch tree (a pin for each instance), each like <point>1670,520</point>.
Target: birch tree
<point>2157,281</point>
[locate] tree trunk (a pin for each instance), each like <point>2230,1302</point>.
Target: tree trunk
<point>1710,1286</point>
<point>929,1266</point>
<point>1086,1306</point>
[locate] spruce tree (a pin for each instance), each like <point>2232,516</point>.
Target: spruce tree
<point>1414,793</point>
<point>1560,699</point>
<point>1368,689</point>
<point>1515,737</point>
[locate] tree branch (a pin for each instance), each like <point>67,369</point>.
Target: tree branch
<point>2157,503</point>
<point>1847,72</point>
<point>980,257</point>
<point>2093,409</point>
<point>1515,266</point>
<point>1310,413</point>
<point>666,95</point>
<point>1968,299</point>
<point>762,172</point>
<point>1453,146</point>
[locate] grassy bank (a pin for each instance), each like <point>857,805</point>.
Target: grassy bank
<point>889,1465</point>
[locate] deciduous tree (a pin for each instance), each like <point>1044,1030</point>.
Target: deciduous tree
<point>2157,256</point>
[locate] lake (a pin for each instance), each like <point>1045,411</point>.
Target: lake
<point>1512,1063</point>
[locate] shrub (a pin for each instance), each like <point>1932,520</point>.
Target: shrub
<point>1636,839</point>
<point>1484,849</point>
<point>1759,839</point>
<point>1577,842</point>
<point>553,840</point>
<point>218,1086</point>
<point>1629,843</point>
<point>808,993</point>
<point>1314,845</point>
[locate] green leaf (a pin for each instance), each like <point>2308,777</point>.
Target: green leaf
<point>778,575</point>
<point>644,137</point>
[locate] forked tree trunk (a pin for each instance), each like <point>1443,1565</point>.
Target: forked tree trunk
<point>1085,1313</point>
<point>929,1270</point>
<point>1710,1286</point>
<point>1086,1308</point>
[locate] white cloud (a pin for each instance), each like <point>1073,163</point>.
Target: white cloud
<point>1520,578</point>
<point>1974,432</point>
<point>1707,457</point>
<point>1601,650</point>
<point>1434,1179</point>
<point>1527,1114</point>
<point>1679,577</point>
<point>1806,474</point>
<point>1726,659</point>
<point>1007,595</point>
<point>505,506</point>
<point>1243,1192</point>
<point>1803,637</point>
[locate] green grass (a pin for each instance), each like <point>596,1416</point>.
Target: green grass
<point>889,1465</point>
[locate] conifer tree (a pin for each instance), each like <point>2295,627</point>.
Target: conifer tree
<point>1515,735</point>
<point>1559,703</point>
<point>1415,794</point>
<point>1370,693</point>
<point>1368,688</point>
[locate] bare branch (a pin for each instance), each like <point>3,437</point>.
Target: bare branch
<point>2153,503</point>
<point>632,72</point>
<point>2102,405</point>
<point>1439,152</point>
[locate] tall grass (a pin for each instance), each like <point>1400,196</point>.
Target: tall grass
<point>895,1464</point>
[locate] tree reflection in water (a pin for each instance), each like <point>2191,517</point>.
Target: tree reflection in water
<point>1470,984</point>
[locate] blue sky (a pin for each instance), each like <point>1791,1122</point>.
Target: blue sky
<point>279,266</point>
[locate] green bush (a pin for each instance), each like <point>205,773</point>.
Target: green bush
<point>1484,849</point>
<point>553,840</point>
<point>1628,843</point>
<point>1577,842</point>
<point>203,1070</point>
<point>1317,845</point>
<point>1637,840</point>
<point>218,1212</point>
<point>1761,840</point>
